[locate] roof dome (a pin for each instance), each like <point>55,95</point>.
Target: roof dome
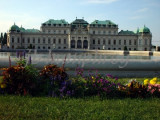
<point>21,29</point>
<point>14,27</point>
<point>144,30</point>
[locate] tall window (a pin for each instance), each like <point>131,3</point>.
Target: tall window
<point>109,42</point>
<point>93,41</point>
<point>130,42</point>
<point>119,42</point>
<point>64,31</point>
<point>104,41</point>
<point>54,41</point>
<point>59,41</point>
<point>98,41</point>
<point>114,42</point>
<point>124,42</point>
<point>64,41</point>
<point>18,39</point>
<point>33,40</point>
<point>49,40</point>
<point>43,40</point>
<point>135,42</point>
<point>12,39</point>
<point>94,32</point>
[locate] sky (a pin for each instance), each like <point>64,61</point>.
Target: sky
<point>128,14</point>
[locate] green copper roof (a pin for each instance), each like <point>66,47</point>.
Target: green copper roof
<point>127,32</point>
<point>80,21</point>
<point>106,22</point>
<point>32,30</point>
<point>144,30</point>
<point>14,28</point>
<point>52,21</point>
<point>21,29</point>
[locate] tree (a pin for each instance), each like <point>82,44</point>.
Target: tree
<point>125,48</point>
<point>1,38</point>
<point>4,41</point>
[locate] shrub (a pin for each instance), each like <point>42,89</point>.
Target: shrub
<point>53,80</point>
<point>134,89</point>
<point>20,80</point>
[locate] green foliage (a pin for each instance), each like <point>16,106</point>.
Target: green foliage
<point>55,79</point>
<point>20,80</point>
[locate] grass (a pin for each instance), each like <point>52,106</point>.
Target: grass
<point>92,108</point>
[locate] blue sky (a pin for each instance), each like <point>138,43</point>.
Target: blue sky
<point>128,14</point>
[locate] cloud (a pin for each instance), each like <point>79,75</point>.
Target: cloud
<point>142,10</point>
<point>136,17</point>
<point>101,1</point>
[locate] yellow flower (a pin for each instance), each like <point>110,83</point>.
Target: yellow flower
<point>152,82</point>
<point>129,84</point>
<point>155,79</point>
<point>92,77</point>
<point>146,81</point>
<point>3,86</point>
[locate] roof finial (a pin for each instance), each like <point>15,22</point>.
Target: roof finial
<point>144,25</point>
<point>76,18</point>
<point>14,23</point>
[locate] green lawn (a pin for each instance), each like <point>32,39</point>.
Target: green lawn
<point>92,108</point>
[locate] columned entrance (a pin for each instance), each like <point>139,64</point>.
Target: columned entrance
<point>79,44</point>
<point>85,44</point>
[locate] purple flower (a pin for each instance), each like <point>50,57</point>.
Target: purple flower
<point>109,75</point>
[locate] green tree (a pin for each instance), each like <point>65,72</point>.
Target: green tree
<point>125,48</point>
<point>4,41</point>
<point>1,38</point>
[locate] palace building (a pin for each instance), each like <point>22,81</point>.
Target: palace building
<point>59,34</point>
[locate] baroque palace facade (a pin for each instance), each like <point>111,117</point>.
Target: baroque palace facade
<point>59,34</point>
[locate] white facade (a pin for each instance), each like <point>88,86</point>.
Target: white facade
<point>59,34</point>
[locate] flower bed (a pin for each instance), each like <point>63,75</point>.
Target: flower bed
<point>54,81</point>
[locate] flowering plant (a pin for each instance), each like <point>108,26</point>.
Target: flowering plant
<point>153,86</point>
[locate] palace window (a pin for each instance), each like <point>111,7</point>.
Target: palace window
<point>93,41</point>
<point>38,47</point>
<point>33,40</point>
<point>109,42</point>
<point>64,31</point>
<point>114,42</point>
<point>135,49</point>
<point>18,40</point>
<point>98,41</point>
<point>94,32</point>
<point>54,41</point>
<point>129,48</point>
<point>12,39</point>
<point>43,40</point>
<point>64,41</point>
<point>49,31</point>
<point>119,42</point>
<point>49,40</point>
<point>49,47</point>
<point>135,42</point>
<point>43,47</point>
<point>59,41</point>
<point>104,32</point>
<point>124,42</point>
<point>104,41</point>
<point>109,32</point>
<point>130,42</point>
<point>28,40</point>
